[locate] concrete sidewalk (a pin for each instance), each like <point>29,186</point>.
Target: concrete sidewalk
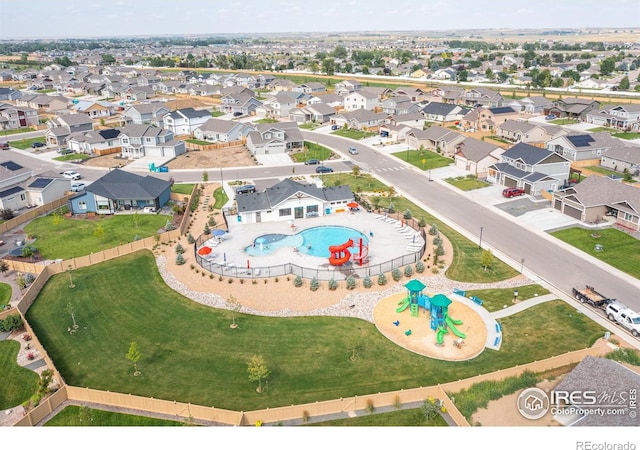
<point>522,305</point>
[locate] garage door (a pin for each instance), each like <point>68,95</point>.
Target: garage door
<point>572,212</point>
<point>527,188</point>
<point>510,182</point>
<point>558,204</point>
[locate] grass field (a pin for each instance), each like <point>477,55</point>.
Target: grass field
<point>76,416</point>
<point>620,250</point>
<point>182,188</point>
<point>424,160</point>
<point>18,383</point>
<point>5,295</point>
<point>18,131</point>
<point>495,299</point>
<point>353,134</point>
<point>71,157</point>
<point>190,354</point>
<point>220,197</point>
<point>603,171</point>
<point>70,237</point>
<point>467,183</point>
<point>400,418</point>
<point>312,151</point>
<point>24,144</point>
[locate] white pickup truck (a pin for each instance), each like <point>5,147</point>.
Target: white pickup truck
<point>629,319</point>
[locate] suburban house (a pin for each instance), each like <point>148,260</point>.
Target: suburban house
<point>414,120</point>
<point>48,103</point>
<point>572,108</point>
<point>317,113</point>
<point>596,197</point>
<point>145,114</point>
<point>346,87</point>
<point>15,117</point>
<point>487,119</point>
<point>621,157</point>
<point>220,130</point>
<point>185,121</point>
<point>624,117</point>
<point>20,189</point>
<point>436,138</point>
<point>481,96</point>
<point>443,112</point>
<point>533,169</point>
<point>7,93</point>
<point>361,99</point>
<point>528,132</point>
<point>119,190</point>
<point>582,146</point>
<point>534,105</point>
<point>415,94</point>
<point>60,127</point>
<point>288,200</point>
<point>446,94</point>
<point>399,105</point>
<point>239,104</point>
<point>476,156</point>
<point>278,105</point>
<point>137,141</point>
<point>274,138</point>
<point>313,87</point>
<point>95,142</point>
<point>95,110</point>
<point>360,119</point>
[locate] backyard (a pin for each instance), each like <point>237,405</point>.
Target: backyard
<point>423,159</point>
<point>467,183</point>
<point>208,366</point>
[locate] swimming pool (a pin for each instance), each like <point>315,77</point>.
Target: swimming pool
<point>312,241</point>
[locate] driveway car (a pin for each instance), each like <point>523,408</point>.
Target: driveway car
<point>71,174</point>
<point>4,145</point>
<point>312,162</point>
<point>246,189</point>
<point>64,151</point>
<point>353,150</point>
<point>334,127</point>
<point>323,169</point>
<point>37,145</point>
<point>77,187</point>
<point>512,192</point>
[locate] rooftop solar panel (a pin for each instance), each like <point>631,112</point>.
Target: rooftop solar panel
<point>10,165</point>
<point>40,183</point>
<point>582,140</point>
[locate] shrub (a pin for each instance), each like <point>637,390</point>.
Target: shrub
<point>408,271</point>
<point>190,239</point>
<point>11,322</point>
<point>351,282</point>
<point>29,278</point>
<point>297,282</point>
<point>382,279</point>
<point>207,230</point>
<point>440,250</point>
<point>422,223</point>
<point>419,267</point>
<point>314,285</point>
<point>437,240</point>
<point>179,249</point>
<point>370,407</point>
<point>366,282</point>
<point>407,214</point>
<point>305,416</point>
<point>628,355</point>
<point>433,231</point>
<point>212,221</point>
<point>396,274</point>
<point>333,284</point>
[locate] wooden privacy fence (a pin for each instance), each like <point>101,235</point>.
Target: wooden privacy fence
<point>32,214</point>
<point>214,145</point>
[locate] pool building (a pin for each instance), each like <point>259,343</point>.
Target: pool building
<point>290,200</point>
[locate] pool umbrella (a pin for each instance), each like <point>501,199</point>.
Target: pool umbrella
<point>218,232</point>
<point>204,250</point>
<point>352,205</point>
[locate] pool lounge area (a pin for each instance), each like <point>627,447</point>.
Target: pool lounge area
<point>238,253</point>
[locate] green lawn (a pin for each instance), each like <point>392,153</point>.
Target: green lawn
<point>76,416</point>
<point>563,121</point>
<point>266,120</point>
<point>18,383</point>
<point>75,237</point>
<point>182,188</point>
<point>309,126</point>
<point>198,142</point>
<point>18,131</point>
<point>616,133</point>
<point>353,134</point>
<point>190,354</point>
<point>400,418</point>
<point>603,171</point>
<point>495,299</point>
<point>217,113</point>
<point>221,198</point>
<point>312,151</point>
<point>72,156</point>
<point>5,295</point>
<point>24,144</point>
<point>620,250</point>
<point>467,183</point>
<point>424,159</point>
<point>362,183</point>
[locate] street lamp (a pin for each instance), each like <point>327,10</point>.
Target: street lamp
<point>480,244</point>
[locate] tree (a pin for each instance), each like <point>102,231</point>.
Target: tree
<point>134,356</point>
<point>234,306</point>
<point>108,59</point>
<point>258,370</point>
<point>624,84</point>
<point>355,170</point>
<point>4,267</point>
<point>72,312</point>
<point>608,65</point>
<point>98,232</point>
<point>136,219</point>
<point>205,176</point>
<point>329,66</point>
<point>487,259</point>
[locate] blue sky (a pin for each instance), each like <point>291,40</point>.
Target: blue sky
<point>97,18</point>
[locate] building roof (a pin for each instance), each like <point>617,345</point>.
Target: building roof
<point>598,191</point>
<point>120,185</point>
<point>439,109</point>
<point>476,150</point>
<point>529,154</point>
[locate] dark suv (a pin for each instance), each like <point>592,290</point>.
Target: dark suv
<point>323,169</point>
<point>246,189</point>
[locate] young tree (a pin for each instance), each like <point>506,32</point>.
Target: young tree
<point>4,267</point>
<point>487,259</point>
<point>98,232</point>
<point>205,176</point>
<point>258,370</point>
<point>136,219</point>
<point>234,306</point>
<point>134,356</point>
<point>72,312</point>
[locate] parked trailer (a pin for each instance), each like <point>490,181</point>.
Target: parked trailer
<point>592,297</point>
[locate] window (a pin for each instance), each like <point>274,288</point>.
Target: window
<point>82,205</point>
<point>628,217</point>
<point>284,212</point>
<point>312,208</point>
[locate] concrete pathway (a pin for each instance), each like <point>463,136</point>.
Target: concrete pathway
<point>522,305</point>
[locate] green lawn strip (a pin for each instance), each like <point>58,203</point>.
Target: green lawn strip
<point>311,151</point>
<point>221,198</point>
<point>24,144</point>
<point>18,131</point>
<point>18,383</point>
<point>309,126</point>
<point>353,134</point>
<point>416,157</point>
<point>75,237</point>
<point>198,142</point>
<point>266,120</point>
<point>628,355</point>
<point>619,249</point>
<point>626,135</point>
<point>182,188</point>
<point>71,157</point>
<point>360,183</point>
<point>603,171</point>
<point>217,113</point>
<point>495,299</point>
<point>190,354</point>
<point>5,295</point>
<point>467,183</point>
<point>400,418</point>
<point>77,416</point>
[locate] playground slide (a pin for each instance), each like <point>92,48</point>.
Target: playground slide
<point>440,335</point>
<point>340,253</point>
<point>404,304</point>
<point>450,322</point>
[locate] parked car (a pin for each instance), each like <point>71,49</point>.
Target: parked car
<point>64,151</point>
<point>551,117</point>
<point>77,187</point>
<point>353,150</point>
<point>312,162</point>
<point>37,144</point>
<point>71,174</point>
<point>334,127</point>
<point>246,189</point>
<point>4,145</point>
<point>512,192</point>
<point>323,169</point>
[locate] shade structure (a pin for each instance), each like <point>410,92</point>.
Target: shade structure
<point>218,232</point>
<point>352,205</point>
<point>204,250</point>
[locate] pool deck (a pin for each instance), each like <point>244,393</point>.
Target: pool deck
<point>387,240</point>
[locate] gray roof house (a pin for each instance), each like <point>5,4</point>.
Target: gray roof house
<point>360,119</point>
<point>435,138</point>
<point>625,117</point>
<point>596,197</point>
<point>443,112</point>
<point>60,127</point>
<point>582,146</point>
<point>317,112</point>
<point>145,113</point>
<point>137,141</point>
<point>20,189</point>
<point>274,138</point>
<point>185,121</point>
<point>622,156</point>
<point>533,169</point>
<point>220,130</point>
<point>288,200</point>
<point>476,156</point>
<point>528,132</point>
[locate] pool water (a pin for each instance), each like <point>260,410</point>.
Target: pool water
<point>312,241</point>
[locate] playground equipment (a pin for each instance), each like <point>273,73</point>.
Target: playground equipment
<point>340,254</point>
<point>438,307</point>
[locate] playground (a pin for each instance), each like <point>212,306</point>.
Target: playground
<point>460,333</point>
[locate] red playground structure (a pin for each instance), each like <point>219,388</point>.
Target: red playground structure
<point>340,254</point>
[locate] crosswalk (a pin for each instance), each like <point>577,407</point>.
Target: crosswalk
<point>390,169</point>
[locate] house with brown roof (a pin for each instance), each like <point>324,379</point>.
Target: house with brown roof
<point>487,119</point>
<point>476,156</point>
<point>528,132</point>
<point>481,96</point>
<point>435,138</point>
<point>572,108</point>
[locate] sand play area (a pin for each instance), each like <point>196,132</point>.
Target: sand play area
<point>422,339</point>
